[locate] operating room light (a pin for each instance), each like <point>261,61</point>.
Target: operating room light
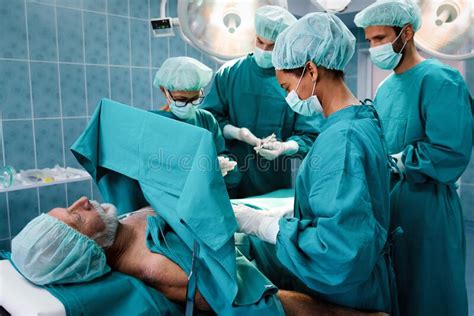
<point>447,29</point>
<point>224,29</point>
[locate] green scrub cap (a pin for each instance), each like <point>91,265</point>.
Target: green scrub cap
<point>182,74</point>
<point>390,13</point>
<point>318,37</point>
<point>271,20</point>
<point>48,251</point>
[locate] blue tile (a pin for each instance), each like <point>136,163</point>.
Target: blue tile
<point>139,8</point>
<point>41,32</point>
<point>72,90</point>
<point>141,88</point>
<point>13,30</point>
<point>97,86</point>
<point>177,46</point>
<point>159,50</point>
<point>154,9</point>
<point>44,82</point>
<point>15,90</point>
<point>18,138</point>
<point>49,143</point>
<point>4,231</point>
<point>467,201</point>
<point>119,7</point>
<point>140,31</point>
<point>172,8</point>
<point>94,5</point>
<point>119,41</point>
<point>23,208</point>
<point>95,38</point>
<point>70,39</point>
<point>159,99</point>
<point>120,84</point>
<point>77,4</point>
<point>76,190</point>
<point>43,1</point>
<point>5,245</point>
<point>193,52</point>
<point>52,196</point>
<point>72,129</point>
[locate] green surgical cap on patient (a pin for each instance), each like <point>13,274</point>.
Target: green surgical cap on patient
<point>182,74</point>
<point>48,251</point>
<point>271,20</point>
<point>390,13</point>
<point>318,37</point>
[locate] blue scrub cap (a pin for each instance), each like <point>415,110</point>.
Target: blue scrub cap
<point>49,251</point>
<point>318,37</point>
<point>390,13</point>
<point>271,20</point>
<point>182,74</point>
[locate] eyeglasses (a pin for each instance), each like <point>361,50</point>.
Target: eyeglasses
<point>194,101</point>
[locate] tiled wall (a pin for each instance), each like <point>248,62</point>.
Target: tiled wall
<point>57,59</point>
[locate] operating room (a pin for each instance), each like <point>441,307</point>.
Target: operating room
<point>270,157</point>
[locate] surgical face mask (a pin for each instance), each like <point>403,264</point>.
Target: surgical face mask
<point>263,58</point>
<point>384,57</point>
<point>307,107</point>
<point>106,237</point>
<point>183,110</point>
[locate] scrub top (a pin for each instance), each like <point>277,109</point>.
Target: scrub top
<point>426,114</point>
<point>336,244</point>
<point>245,95</point>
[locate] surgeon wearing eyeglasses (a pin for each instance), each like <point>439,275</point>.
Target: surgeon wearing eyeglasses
<point>182,80</point>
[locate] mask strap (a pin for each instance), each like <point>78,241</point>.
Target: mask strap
<point>314,87</point>
<point>396,39</point>
<point>301,77</point>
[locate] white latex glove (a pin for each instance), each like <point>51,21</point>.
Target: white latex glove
<point>398,158</point>
<point>226,165</point>
<point>273,149</point>
<point>243,134</point>
<point>257,223</point>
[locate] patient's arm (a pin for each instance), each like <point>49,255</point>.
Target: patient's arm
<point>168,278</point>
<point>295,303</point>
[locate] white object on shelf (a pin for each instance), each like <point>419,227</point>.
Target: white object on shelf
<point>34,178</point>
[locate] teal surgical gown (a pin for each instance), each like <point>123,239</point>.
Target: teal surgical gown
<point>204,119</point>
<point>426,115</point>
<point>336,246</point>
<point>138,158</point>
<point>246,95</point>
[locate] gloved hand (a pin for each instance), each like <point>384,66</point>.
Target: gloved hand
<point>243,134</point>
<point>257,223</point>
<point>398,159</point>
<point>226,165</point>
<point>273,149</point>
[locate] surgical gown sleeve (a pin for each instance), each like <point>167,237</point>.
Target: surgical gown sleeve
<point>338,248</point>
<point>444,152</point>
<point>233,177</point>
<point>305,131</point>
<point>216,100</point>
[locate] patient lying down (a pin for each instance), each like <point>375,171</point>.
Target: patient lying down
<point>85,240</point>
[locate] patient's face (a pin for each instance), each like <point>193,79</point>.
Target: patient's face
<point>98,222</point>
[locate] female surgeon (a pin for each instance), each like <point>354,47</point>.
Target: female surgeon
<point>335,247</point>
<point>181,80</point>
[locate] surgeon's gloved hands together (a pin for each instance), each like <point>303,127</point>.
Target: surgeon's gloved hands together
<point>273,148</point>
<point>259,223</point>
<point>226,165</point>
<point>398,159</point>
<point>243,134</point>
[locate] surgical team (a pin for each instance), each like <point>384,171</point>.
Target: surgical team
<point>377,224</point>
